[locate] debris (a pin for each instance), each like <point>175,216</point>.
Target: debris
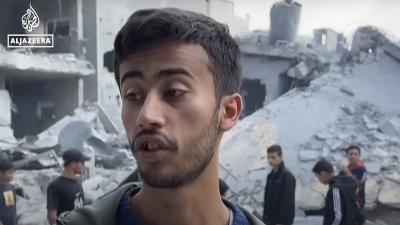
<point>369,124</point>
<point>108,124</point>
<point>372,187</point>
<point>394,176</point>
<point>74,134</point>
<point>54,64</point>
<point>373,167</point>
<point>41,161</point>
<point>347,91</point>
<point>350,111</point>
<point>309,155</point>
<point>5,108</point>
<point>390,194</point>
<point>390,127</point>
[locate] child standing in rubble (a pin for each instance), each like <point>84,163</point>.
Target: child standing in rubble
<point>8,211</point>
<point>66,192</point>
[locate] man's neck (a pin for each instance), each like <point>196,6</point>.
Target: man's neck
<point>69,174</point>
<point>355,163</point>
<point>197,203</point>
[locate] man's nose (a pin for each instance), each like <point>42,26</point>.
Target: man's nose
<point>151,113</point>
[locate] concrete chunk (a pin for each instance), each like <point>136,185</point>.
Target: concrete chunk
<point>5,108</point>
<point>390,194</point>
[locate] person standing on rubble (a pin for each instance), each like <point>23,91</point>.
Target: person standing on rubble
<point>8,210</point>
<point>179,77</point>
<point>66,192</point>
<point>340,201</point>
<point>279,196</point>
<point>356,168</point>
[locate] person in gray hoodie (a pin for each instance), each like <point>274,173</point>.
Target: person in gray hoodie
<point>179,78</point>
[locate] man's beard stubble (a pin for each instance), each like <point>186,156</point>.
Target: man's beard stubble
<point>195,156</point>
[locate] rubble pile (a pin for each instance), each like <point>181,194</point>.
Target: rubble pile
<point>359,106</point>
<point>38,160</point>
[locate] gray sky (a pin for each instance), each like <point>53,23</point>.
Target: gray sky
<point>341,15</point>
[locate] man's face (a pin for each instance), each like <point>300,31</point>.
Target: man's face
<point>169,112</point>
<point>353,156</point>
<point>274,159</point>
<point>7,176</point>
<point>78,167</point>
<point>323,177</point>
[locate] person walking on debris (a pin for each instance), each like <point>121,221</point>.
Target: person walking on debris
<point>66,192</point>
<point>8,210</point>
<point>279,196</point>
<point>340,202</point>
<point>179,77</point>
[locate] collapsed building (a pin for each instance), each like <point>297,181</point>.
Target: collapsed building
<point>273,62</point>
<point>355,103</point>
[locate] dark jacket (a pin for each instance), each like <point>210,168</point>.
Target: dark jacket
<point>103,211</point>
<point>279,197</point>
<point>340,201</point>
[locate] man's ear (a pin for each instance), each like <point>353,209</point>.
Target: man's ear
<point>231,107</point>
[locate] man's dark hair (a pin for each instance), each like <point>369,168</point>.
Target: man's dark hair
<point>153,26</point>
<point>351,147</point>
<point>323,166</point>
<point>275,149</point>
<point>6,164</point>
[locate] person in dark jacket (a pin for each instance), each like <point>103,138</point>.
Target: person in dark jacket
<point>279,197</point>
<point>340,202</point>
<point>8,210</point>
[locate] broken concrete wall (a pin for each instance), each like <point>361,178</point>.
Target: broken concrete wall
<point>326,38</point>
<point>269,71</point>
<point>41,103</point>
<point>6,133</point>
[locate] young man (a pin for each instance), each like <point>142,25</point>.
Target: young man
<point>8,211</point>
<point>279,197</point>
<point>357,169</point>
<point>66,192</point>
<point>340,202</point>
<point>179,78</point>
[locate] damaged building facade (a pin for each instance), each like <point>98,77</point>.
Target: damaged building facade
<point>39,86</point>
<point>273,62</point>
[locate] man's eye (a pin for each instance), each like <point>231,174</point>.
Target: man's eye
<point>132,97</point>
<point>174,93</point>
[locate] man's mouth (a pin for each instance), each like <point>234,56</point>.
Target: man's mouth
<point>151,143</point>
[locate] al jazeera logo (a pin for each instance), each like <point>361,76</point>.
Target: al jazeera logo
<point>30,21</point>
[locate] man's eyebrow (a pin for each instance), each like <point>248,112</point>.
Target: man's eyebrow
<point>162,74</point>
<point>174,71</point>
<point>132,74</point>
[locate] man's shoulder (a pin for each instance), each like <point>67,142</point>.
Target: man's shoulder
<point>287,172</point>
<point>6,187</point>
<point>101,212</point>
<point>56,182</point>
<point>243,214</point>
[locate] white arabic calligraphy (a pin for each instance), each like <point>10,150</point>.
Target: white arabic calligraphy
<point>30,19</point>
